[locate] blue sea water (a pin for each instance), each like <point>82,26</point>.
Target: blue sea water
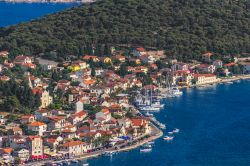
<point>13,13</point>
<point>214,125</point>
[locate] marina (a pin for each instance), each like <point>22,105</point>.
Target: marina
<point>196,131</point>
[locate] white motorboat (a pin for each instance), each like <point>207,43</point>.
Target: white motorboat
<point>150,142</point>
<point>168,138</point>
<point>149,115</point>
<point>175,91</point>
<point>162,126</point>
<point>229,82</point>
<point>176,131</point>
<point>86,164</point>
<point>149,108</point>
<point>170,132</point>
<point>146,150</point>
<point>157,104</point>
<point>147,146</point>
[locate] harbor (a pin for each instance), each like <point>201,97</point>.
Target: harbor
<point>196,130</point>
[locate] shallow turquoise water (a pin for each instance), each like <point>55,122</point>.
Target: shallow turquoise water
<point>13,13</point>
<point>215,130</point>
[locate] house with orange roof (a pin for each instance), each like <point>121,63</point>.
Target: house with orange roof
<point>74,148</point>
<point>206,68</point>
<point>137,52</point>
<point>38,127</point>
<point>42,114</point>
<point>77,117</point>
<point>206,57</point>
<point>103,115</point>
<point>91,57</point>
<point>21,59</point>
<point>120,58</point>
<point>4,54</point>
<point>8,65</point>
<point>4,78</point>
<point>56,122</point>
<point>140,125</point>
<point>228,65</point>
<point>53,141</point>
<point>27,119</point>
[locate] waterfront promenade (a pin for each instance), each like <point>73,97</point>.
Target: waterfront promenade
<point>135,143</point>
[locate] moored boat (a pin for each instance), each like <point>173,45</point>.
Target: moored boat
<point>168,138</point>
<point>176,131</point>
<point>146,150</point>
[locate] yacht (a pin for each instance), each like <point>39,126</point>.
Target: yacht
<point>162,126</point>
<point>176,131</point>
<point>168,138</point>
<point>149,108</point>
<point>157,104</point>
<point>175,91</point>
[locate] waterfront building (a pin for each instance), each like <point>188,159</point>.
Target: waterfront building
<point>205,78</point>
<point>35,145</point>
<point>74,148</point>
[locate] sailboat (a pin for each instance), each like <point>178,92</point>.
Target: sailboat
<point>171,91</point>
<point>151,106</point>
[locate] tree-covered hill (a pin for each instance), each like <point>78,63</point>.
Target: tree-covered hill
<point>182,27</point>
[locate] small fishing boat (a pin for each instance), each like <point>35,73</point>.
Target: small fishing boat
<point>168,138</point>
<point>162,126</point>
<point>176,131</point>
<point>146,150</point>
<point>148,114</point>
<point>85,164</point>
<point>150,142</point>
<point>109,153</point>
<point>147,146</point>
<point>170,132</point>
<point>229,82</point>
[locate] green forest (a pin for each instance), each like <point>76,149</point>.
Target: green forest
<point>182,27</point>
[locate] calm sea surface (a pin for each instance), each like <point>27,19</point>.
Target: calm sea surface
<point>214,125</point>
<point>13,13</point>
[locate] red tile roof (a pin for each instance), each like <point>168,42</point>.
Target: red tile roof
<point>73,143</point>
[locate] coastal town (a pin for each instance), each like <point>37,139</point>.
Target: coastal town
<point>95,105</point>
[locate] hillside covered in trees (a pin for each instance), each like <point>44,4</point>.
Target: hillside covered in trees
<point>181,27</point>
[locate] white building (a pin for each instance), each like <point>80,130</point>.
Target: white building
<point>39,127</point>
<point>205,78</point>
<point>74,148</point>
